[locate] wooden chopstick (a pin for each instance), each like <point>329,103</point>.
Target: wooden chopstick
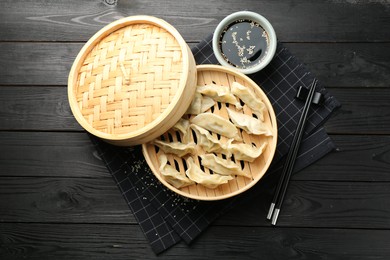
<point>288,166</point>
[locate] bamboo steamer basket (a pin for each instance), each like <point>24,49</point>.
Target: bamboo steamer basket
<point>132,80</point>
<point>215,74</point>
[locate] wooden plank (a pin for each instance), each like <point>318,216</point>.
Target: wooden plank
<point>51,241</point>
<point>78,241</point>
<point>317,204</point>
<point>49,154</point>
<point>335,64</point>
<point>307,204</point>
<point>62,200</point>
<point>67,154</point>
<point>36,63</point>
<point>362,204</point>
<point>364,110</point>
<point>345,64</point>
<point>302,20</point>
<point>357,158</point>
<point>36,108</point>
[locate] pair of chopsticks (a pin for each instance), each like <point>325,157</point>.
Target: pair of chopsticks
<point>288,166</point>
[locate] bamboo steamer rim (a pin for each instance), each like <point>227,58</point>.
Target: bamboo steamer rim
<point>200,68</point>
<point>96,38</point>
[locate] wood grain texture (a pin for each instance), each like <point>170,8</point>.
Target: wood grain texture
<point>49,154</point>
<point>294,21</point>
<point>364,110</point>
<point>36,63</point>
<point>62,154</point>
<point>58,201</point>
<point>357,158</point>
<point>308,203</point>
<point>62,200</point>
<point>36,108</point>
<point>346,64</point>
<point>88,241</point>
<point>318,204</point>
<point>335,64</point>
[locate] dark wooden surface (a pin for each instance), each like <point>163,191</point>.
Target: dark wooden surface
<point>57,200</point>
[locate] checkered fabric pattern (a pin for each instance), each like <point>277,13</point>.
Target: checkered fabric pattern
<point>167,218</point>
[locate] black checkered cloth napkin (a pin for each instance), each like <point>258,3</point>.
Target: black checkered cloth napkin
<point>167,218</point>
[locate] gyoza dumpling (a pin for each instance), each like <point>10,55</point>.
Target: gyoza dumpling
<point>248,123</point>
<point>195,173</point>
<point>200,104</point>
<point>222,166</point>
<point>207,103</point>
<point>246,152</point>
<point>219,93</point>
<point>249,98</point>
<point>208,142</point>
<point>171,175</point>
<point>176,148</point>
<point>196,104</point>
<point>216,124</point>
<point>182,125</point>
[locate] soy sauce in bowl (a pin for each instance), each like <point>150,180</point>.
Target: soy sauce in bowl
<point>244,43</point>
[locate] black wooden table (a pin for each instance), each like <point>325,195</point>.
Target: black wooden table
<point>58,201</point>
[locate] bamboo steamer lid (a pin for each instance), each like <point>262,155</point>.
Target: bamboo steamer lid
<point>132,81</point>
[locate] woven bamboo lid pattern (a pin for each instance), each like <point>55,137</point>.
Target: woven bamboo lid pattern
<point>132,80</point>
